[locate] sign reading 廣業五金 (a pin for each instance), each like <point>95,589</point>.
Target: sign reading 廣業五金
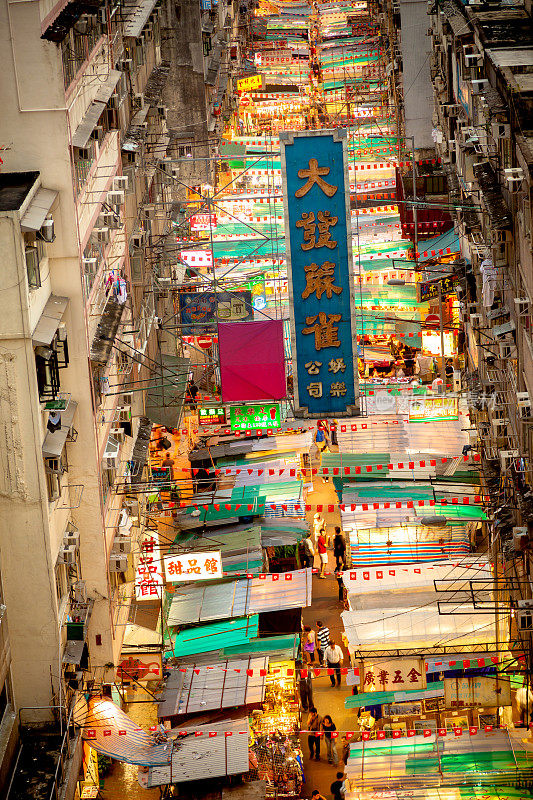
<point>319,266</point>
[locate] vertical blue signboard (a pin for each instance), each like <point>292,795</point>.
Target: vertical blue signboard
<point>319,266</point>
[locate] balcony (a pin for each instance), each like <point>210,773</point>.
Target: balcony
<point>106,331</point>
<point>98,182</point>
<point>48,761</point>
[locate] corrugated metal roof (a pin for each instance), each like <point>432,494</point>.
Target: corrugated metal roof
<point>139,17</point>
<point>199,757</point>
<point>192,604</point>
<point>214,686</point>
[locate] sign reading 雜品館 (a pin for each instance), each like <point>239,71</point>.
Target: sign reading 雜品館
<point>254,417</point>
<point>319,267</point>
<point>199,566</point>
<point>393,675</point>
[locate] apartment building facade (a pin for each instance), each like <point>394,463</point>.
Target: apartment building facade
<point>82,199</point>
<point>482,73</point>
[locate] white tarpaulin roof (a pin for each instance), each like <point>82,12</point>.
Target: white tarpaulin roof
<point>395,434</point>
<point>192,604</point>
<point>379,629</point>
<point>454,574</point>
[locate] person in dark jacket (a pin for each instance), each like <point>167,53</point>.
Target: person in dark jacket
<point>339,548</point>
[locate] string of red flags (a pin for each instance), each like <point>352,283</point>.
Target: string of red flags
<point>330,508</point>
<point>472,730</point>
<point>351,470</point>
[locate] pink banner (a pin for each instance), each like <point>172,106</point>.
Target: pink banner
<point>252,363</point>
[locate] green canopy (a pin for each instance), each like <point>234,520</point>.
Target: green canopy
<point>228,633</point>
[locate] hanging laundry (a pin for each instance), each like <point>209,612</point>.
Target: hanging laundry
<point>490,274</point>
<point>54,421</point>
<point>121,292</point>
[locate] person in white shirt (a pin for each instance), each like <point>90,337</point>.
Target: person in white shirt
<point>333,660</point>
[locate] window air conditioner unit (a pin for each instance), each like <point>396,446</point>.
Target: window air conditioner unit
<point>522,304</point>
<point>149,211</point>
<point>120,183</point>
<point>507,457</point>
<point>525,619</point>
<point>68,555</point>
<point>513,178</point>
<point>47,230</point>
<point>53,466</point>
<point>105,219</point>
<point>123,413</point>
<point>473,59</point>
<point>127,398</point>
<point>118,563</point>
<point>500,130</point>
<point>102,235</point>
<point>137,239</point>
<point>79,592</point>
<point>119,434</point>
<point>121,544</point>
<point>115,198</point>
<point>71,539</point>
<point>479,86</point>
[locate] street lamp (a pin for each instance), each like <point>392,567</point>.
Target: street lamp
<point>400,282</point>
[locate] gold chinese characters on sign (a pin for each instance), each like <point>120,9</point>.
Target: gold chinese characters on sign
<point>320,278</point>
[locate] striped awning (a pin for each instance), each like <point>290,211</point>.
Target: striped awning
<point>111,732</point>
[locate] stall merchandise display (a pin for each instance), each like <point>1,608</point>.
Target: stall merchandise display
<point>275,755</point>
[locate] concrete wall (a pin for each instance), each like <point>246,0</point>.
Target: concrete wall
<point>36,120</point>
<point>418,90</point>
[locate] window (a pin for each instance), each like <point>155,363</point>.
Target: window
<point>35,252</point>
<point>48,362</point>
<point>54,469</point>
<point>61,581</point>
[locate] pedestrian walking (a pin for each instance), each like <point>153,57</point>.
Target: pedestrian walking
<point>309,644</point>
<point>305,686</point>
<point>309,551</point>
<point>322,633</point>
<point>345,750</point>
<point>323,553</point>
<point>333,659</point>
<point>338,788</point>
<point>339,548</point>
<point>328,726</point>
<point>340,583</point>
<point>314,721</point>
<point>319,526</point>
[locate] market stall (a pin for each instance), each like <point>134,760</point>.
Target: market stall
<point>275,748</point>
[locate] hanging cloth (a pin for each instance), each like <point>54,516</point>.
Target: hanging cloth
<point>54,421</point>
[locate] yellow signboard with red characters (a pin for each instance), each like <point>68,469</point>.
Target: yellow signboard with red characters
<point>250,83</point>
